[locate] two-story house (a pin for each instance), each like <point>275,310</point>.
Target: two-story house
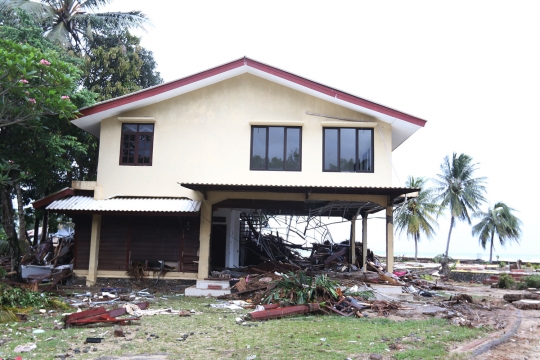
<point>178,158</point>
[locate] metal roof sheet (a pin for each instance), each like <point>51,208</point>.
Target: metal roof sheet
<point>246,187</point>
<point>87,203</point>
<point>302,186</point>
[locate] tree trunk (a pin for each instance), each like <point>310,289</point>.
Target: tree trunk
<point>452,221</point>
<point>416,248</point>
<point>491,247</point>
<point>45,226</point>
<point>8,223</point>
<point>20,210</point>
<point>36,229</point>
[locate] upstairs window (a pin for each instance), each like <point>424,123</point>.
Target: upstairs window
<point>348,150</point>
<point>276,148</point>
<point>136,145</point>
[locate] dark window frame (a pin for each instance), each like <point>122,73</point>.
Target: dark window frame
<point>136,153</point>
<point>267,127</point>
<point>356,164</point>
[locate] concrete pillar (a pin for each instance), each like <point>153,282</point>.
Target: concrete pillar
<point>364,242</point>
<point>94,250</point>
<point>389,238</point>
<point>233,239</point>
<point>352,242</point>
<point>204,239</point>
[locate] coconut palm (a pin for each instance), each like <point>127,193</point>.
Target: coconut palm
<point>418,215</point>
<point>497,220</point>
<point>73,23</point>
<point>459,190</point>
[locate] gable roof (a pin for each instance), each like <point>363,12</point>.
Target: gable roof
<point>403,125</point>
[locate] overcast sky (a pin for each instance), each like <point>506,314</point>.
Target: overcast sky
<point>470,68</point>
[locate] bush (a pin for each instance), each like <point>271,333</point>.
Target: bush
<point>12,297</point>
<point>502,264</point>
<point>532,281</point>
<point>439,259</point>
<point>521,286</point>
<point>506,281</point>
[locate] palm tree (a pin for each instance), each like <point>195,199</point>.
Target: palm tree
<point>498,219</point>
<point>459,190</point>
<point>418,214</point>
<point>73,23</point>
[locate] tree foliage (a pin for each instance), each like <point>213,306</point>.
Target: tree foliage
<point>73,24</point>
<point>33,84</point>
<point>498,220</point>
<point>458,189</point>
<point>118,65</point>
<point>418,215</point>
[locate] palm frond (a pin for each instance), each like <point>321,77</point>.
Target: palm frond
<point>497,220</point>
<point>418,215</point>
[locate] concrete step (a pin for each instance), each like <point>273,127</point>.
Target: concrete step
<point>209,288</point>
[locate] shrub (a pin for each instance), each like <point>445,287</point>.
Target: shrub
<point>521,286</point>
<point>528,265</point>
<point>12,297</point>
<point>532,281</point>
<point>502,264</point>
<point>439,259</point>
<point>506,281</point>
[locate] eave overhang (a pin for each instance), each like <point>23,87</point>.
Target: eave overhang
<point>403,125</point>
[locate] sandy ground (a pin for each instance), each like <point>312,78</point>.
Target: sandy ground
<point>525,344</point>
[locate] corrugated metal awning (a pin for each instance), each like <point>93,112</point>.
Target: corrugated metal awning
<point>394,192</point>
<point>87,203</point>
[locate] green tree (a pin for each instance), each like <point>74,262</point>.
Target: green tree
<point>117,65</point>
<point>74,23</point>
<point>9,176</point>
<point>33,84</point>
<point>497,220</point>
<point>418,215</point>
<point>458,190</point>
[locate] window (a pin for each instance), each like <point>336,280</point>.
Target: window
<point>348,150</point>
<point>276,148</point>
<point>137,142</point>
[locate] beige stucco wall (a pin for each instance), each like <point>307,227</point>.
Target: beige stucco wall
<point>204,137</point>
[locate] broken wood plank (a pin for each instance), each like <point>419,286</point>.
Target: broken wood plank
<point>336,255</point>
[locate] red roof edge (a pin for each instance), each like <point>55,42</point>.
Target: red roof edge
<point>41,203</point>
<point>159,89</point>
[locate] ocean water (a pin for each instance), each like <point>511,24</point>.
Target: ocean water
<point>525,258</point>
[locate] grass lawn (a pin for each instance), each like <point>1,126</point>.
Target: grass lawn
<point>214,334</point>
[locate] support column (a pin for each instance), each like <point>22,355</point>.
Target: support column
<point>94,250</point>
<point>233,231</point>
<point>204,239</point>
<point>364,242</point>
<point>389,237</point>
<point>352,242</point>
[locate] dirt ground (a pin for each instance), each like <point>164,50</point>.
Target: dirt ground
<point>525,344</point>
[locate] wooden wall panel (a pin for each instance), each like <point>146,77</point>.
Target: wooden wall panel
<point>83,229</point>
<point>151,238</point>
<point>113,242</point>
<point>156,238</point>
<point>190,245</point>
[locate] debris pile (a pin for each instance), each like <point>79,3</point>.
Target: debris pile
<point>49,263</point>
